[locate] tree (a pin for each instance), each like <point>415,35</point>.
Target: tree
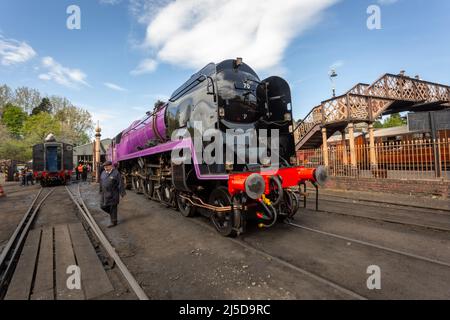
<point>44,106</point>
<point>5,97</point>
<point>395,120</point>
<point>76,124</point>
<point>11,148</point>
<point>37,127</point>
<point>4,134</point>
<point>15,150</point>
<point>27,98</point>
<point>59,103</point>
<point>13,118</point>
<point>378,124</point>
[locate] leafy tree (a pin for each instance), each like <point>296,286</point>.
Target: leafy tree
<point>75,123</point>
<point>59,103</point>
<point>44,106</point>
<point>4,133</point>
<point>5,96</point>
<point>37,127</point>
<point>378,124</point>
<point>13,118</point>
<point>395,120</point>
<point>27,98</point>
<point>15,150</point>
<point>54,114</point>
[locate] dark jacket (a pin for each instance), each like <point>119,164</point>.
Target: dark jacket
<point>111,188</point>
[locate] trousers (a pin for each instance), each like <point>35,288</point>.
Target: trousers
<point>112,211</point>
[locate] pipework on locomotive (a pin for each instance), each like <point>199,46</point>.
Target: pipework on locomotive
<point>220,98</point>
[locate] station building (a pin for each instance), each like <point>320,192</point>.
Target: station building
<point>85,152</point>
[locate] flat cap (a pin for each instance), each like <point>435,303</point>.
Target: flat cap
<point>107,163</point>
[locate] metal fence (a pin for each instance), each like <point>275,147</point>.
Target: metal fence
<point>412,160</point>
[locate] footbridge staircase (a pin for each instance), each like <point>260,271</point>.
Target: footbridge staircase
<point>366,103</point>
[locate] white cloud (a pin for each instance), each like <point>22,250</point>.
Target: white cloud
<point>62,75</point>
<point>146,66</point>
<point>192,33</point>
<point>145,10</point>
<point>14,52</point>
<point>115,87</point>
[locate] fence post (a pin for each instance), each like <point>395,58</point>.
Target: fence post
<point>373,159</point>
<point>344,149</point>
<point>351,134</point>
<point>325,147</point>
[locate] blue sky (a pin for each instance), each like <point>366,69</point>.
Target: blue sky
<point>128,53</point>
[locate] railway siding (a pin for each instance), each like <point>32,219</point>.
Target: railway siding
<point>48,253</point>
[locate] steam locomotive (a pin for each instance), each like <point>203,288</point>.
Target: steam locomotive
<point>220,98</point>
<point>52,162</point>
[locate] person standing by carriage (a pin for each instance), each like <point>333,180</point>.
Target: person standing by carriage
<point>111,189</point>
<point>84,172</point>
<point>30,177</point>
<point>79,170</point>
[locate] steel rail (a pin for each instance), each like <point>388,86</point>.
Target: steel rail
<point>18,228</point>
<point>287,264</point>
<point>373,245</point>
<point>134,285</point>
<point>388,220</point>
<point>21,234</point>
<point>415,206</point>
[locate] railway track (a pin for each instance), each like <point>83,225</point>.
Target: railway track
<point>10,255</point>
<point>369,244</point>
<point>331,206</point>
<point>11,252</point>
<point>314,275</point>
<point>242,243</point>
<point>384,202</point>
<point>131,281</point>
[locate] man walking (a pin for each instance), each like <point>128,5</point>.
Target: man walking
<point>111,189</point>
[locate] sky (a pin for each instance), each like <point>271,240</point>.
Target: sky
<point>125,54</point>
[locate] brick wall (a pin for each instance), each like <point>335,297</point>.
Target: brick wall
<point>408,187</point>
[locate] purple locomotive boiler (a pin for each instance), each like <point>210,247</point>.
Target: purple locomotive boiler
<point>220,97</point>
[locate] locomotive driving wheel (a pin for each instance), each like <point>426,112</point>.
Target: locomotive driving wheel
<point>137,183</point>
<point>186,208</point>
<point>148,187</point>
<point>289,206</point>
<point>223,221</point>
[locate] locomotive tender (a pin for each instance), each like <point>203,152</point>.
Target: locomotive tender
<point>52,162</point>
<point>223,97</point>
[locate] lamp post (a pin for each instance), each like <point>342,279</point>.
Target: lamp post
<point>98,135</point>
<point>333,75</point>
